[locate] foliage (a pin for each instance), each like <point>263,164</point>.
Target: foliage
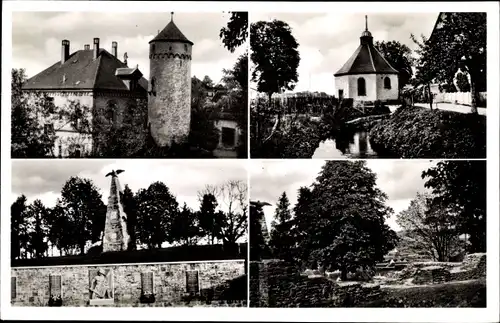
<point>432,229</point>
<point>460,186</point>
<point>184,227</point>
<point>463,82</point>
<point>236,31</point>
<point>207,81</point>
<point>400,57</point>
<point>29,114</point>
<point>207,221</point>
<point>274,55</point>
<point>156,209</point>
<point>459,43</point>
<point>38,214</point>
<point>19,237</point>
<point>233,222</point>
<point>282,242</point>
<point>422,133</point>
<point>130,208</point>
<point>82,206</point>
<point>347,232</point>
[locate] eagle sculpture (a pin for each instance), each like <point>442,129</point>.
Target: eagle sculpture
<point>115,173</point>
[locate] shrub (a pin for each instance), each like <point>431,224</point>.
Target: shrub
<point>422,133</point>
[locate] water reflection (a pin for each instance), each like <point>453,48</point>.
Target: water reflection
<point>347,145</point>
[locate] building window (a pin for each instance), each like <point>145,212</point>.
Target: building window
<point>387,83</point>
<point>111,112</point>
<point>192,283</point>
<point>361,87</point>
<point>152,48</point>
<point>13,287</point>
<point>228,135</point>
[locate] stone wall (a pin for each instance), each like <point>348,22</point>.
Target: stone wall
<point>169,286</point>
<point>169,102</point>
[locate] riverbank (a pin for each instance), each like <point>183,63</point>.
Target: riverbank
<point>422,133</point>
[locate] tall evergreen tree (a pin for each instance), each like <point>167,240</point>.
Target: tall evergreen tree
<point>130,207</point>
<point>207,214</point>
<point>282,242</point>
<point>18,227</point>
<point>39,233</point>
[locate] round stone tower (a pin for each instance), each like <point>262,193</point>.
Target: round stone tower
<point>169,93</point>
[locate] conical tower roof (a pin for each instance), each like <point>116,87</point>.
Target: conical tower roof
<point>171,33</point>
<point>366,59</point>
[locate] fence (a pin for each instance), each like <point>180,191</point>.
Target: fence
<point>459,97</point>
<point>302,105</point>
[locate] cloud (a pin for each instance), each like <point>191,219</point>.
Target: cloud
<point>399,179</point>
<point>44,179</point>
<point>37,36</point>
<point>327,40</point>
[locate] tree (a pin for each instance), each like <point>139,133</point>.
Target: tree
<point>82,204</point>
<point>282,242</point>
<point>19,228</point>
<point>156,209</point>
<point>206,217</point>
<point>236,31</point>
<point>301,223</point>
<point>62,229</point>
<point>463,82</point>
<point>346,225</point>
<point>233,222</point>
<point>460,187</point>
<point>459,43</point>
<point>400,57</point>
<point>39,232</point>
<point>185,227</point>
<point>433,230</point>
<point>30,113</point>
<point>275,56</point>
<point>207,81</point>
<point>130,208</point>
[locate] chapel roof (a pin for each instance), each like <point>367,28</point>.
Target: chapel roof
<point>171,33</point>
<point>82,72</point>
<point>366,59</point>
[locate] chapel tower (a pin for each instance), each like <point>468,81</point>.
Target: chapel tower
<point>169,92</point>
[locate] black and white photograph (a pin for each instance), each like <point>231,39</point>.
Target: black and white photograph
<point>80,238</point>
<point>392,233</point>
<point>376,85</point>
<point>129,85</point>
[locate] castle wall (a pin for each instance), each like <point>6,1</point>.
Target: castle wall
<point>171,283</point>
<point>169,105</point>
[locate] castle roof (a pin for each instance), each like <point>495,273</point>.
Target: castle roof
<point>82,72</point>
<point>366,59</point>
<point>171,33</point>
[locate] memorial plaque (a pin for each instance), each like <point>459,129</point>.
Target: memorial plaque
<point>101,286</point>
<point>55,285</point>
<point>13,287</point>
<point>192,283</point>
<point>147,282</point>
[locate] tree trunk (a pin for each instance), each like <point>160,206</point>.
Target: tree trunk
<point>343,274</point>
<point>430,94</point>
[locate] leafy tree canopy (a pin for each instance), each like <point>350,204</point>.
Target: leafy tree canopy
<point>236,31</point>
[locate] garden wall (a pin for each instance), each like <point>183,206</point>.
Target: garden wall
<point>211,283</point>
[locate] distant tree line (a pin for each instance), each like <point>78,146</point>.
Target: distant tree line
<point>154,217</point>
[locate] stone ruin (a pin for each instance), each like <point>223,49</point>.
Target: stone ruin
<point>116,237</point>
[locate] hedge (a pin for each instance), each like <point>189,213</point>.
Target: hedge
<point>423,133</point>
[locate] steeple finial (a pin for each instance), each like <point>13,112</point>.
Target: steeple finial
<point>366,22</point>
<point>172,16</point>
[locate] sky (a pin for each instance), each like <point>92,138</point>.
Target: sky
<point>327,40</point>
<point>44,179</point>
<point>37,36</point>
<point>399,179</point>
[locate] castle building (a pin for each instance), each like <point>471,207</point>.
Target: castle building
<point>367,75</point>
<point>96,79</point>
<point>169,92</point>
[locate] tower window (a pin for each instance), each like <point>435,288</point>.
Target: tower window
<point>153,47</point>
<point>170,48</point>
<point>361,87</point>
<point>185,47</point>
<point>387,83</point>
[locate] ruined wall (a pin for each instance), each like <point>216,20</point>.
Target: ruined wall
<point>169,283</point>
<point>169,100</point>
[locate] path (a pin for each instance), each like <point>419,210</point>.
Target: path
<point>445,106</point>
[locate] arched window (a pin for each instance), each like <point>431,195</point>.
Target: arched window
<point>361,87</point>
<point>387,83</point>
<point>111,111</point>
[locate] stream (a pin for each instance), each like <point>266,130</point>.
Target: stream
<point>347,145</point>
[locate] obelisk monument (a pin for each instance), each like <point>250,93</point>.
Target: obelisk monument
<point>116,237</point>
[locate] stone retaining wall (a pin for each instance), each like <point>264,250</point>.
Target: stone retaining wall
<point>167,281</point>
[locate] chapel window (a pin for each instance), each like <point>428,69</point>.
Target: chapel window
<point>387,83</point>
<point>361,87</point>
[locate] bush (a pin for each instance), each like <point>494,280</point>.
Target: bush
<point>422,133</point>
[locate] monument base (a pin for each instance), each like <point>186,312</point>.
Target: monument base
<point>108,301</point>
